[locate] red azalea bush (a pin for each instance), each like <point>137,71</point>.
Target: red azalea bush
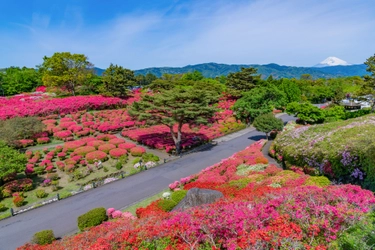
<point>137,151</point>
<point>43,140</point>
<point>84,150</point>
<point>106,137</point>
<point>63,135</point>
<point>96,155</point>
<point>117,152</point>
<point>73,145</point>
<point>127,145</point>
<point>116,141</point>
<point>95,143</point>
<point>18,201</point>
<point>106,147</point>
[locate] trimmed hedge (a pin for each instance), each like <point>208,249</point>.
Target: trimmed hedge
<point>43,237</point>
<point>92,218</point>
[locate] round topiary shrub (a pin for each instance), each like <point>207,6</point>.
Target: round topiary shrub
<point>84,150</point>
<point>127,145</point>
<point>62,134</point>
<point>96,155</point>
<point>116,141</point>
<point>105,137</point>
<point>71,146</point>
<point>92,218</point>
<point>43,237</point>
<point>95,143</point>
<point>42,140</point>
<point>40,193</point>
<point>137,151</point>
<point>106,147</point>
<point>117,152</point>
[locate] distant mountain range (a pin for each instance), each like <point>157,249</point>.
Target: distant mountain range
<point>277,71</point>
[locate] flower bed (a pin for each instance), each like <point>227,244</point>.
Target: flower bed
<point>263,207</point>
<point>96,156</point>
<point>339,150</point>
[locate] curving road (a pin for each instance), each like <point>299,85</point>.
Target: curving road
<point>61,216</point>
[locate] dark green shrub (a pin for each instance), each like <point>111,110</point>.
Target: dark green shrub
<point>166,205</point>
<point>136,160</point>
<point>92,218</point>
<point>2,207</point>
<point>177,196</point>
<point>41,193</point>
<point>39,170</point>
<point>105,169</point>
<point>43,237</point>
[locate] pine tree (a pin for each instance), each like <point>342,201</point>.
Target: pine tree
<point>176,106</point>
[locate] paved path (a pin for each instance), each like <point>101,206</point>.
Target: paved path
<point>61,216</point>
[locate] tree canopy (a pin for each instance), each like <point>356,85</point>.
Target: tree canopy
<point>66,70</point>
<point>242,81</point>
<point>117,81</point>
<point>19,128</point>
<point>306,112</point>
<point>10,160</point>
<point>267,123</point>
<point>259,101</point>
<point>15,80</point>
<point>175,107</point>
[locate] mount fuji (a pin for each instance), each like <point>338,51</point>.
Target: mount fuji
<point>332,61</point>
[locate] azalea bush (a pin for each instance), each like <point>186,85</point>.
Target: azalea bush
<point>96,156</point>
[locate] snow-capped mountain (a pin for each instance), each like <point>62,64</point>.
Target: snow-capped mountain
<point>332,61</point>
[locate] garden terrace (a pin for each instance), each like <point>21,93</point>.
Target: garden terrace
<point>263,207</point>
<point>343,150</point>
<point>70,167</point>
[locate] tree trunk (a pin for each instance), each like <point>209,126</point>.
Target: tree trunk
<point>176,139</point>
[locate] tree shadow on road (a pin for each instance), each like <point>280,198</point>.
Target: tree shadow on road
<point>257,137</point>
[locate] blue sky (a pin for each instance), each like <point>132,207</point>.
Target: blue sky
<point>154,33</point>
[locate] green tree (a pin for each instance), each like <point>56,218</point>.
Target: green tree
<point>10,160</point>
<point>162,84</point>
<point>193,76</point>
<point>19,128</point>
<point>177,106</point>
<point>268,122</point>
<point>291,90</point>
<point>242,81</point>
<point>117,81</point>
<point>306,112</point>
<point>66,70</point>
<point>370,79</point>
<point>15,80</point>
<point>258,101</point>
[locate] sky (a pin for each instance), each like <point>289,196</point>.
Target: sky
<point>138,34</point>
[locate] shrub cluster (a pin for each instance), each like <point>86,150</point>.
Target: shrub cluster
<point>92,218</point>
<point>43,237</point>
